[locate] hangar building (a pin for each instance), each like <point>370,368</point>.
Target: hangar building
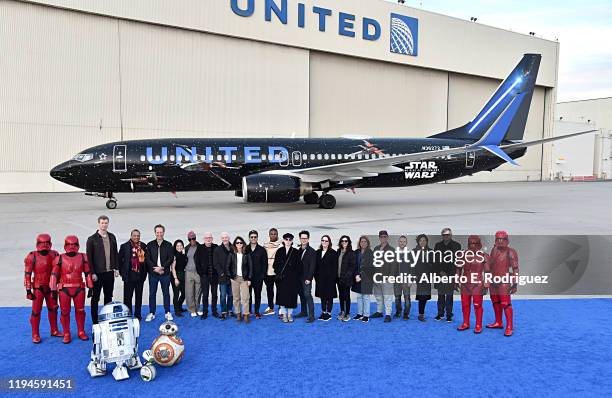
<point>78,73</point>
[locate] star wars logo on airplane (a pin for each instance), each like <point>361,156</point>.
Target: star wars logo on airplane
<point>427,169</point>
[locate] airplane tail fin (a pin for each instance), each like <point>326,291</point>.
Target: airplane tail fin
<point>505,115</point>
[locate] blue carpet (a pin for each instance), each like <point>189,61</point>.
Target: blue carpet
<point>560,348</point>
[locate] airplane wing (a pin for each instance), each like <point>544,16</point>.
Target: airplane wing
<point>387,164</point>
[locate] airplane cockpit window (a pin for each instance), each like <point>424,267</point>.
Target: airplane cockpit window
<point>83,157</point>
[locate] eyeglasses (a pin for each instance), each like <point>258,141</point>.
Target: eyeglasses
<point>253,237</point>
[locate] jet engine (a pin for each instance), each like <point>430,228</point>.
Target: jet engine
<point>273,188</point>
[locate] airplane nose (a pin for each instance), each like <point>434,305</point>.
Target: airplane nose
<point>60,172</point>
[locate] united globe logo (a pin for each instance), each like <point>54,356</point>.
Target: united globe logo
<point>404,35</point>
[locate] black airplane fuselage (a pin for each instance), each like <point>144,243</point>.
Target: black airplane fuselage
<point>216,164</point>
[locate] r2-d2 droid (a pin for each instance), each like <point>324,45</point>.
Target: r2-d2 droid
<point>115,339</point>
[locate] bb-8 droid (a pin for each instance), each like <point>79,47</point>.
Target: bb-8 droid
<point>167,350</point>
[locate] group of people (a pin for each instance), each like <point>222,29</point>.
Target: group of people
<point>235,272</point>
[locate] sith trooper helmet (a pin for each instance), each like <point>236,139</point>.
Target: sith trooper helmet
<point>71,244</point>
<point>501,239</point>
<point>43,242</point>
<point>474,243</point>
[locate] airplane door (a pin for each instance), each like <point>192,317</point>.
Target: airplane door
<point>120,158</point>
<point>470,159</point>
<point>296,159</point>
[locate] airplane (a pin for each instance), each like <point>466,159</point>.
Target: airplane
<point>271,170</point>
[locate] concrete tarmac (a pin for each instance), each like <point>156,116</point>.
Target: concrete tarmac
<point>520,208</point>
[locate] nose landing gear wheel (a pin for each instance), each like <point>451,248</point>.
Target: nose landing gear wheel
<point>111,204</point>
<point>327,201</point>
<point>311,199</point>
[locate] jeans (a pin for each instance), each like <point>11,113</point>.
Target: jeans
<point>129,290</point>
<point>306,300</point>
<point>106,282</point>
<point>269,279</point>
<point>363,304</point>
<point>402,289</point>
<point>256,287</point>
<point>383,292</point>
<point>178,292</point>
<point>445,302</point>
<point>205,287</point>
<point>225,291</point>
<point>164,280</point>
<point>344,296</point>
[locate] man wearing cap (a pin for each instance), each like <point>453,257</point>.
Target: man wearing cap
<point>383,292</point>
<point>192,279</point>
<point>446,268</point>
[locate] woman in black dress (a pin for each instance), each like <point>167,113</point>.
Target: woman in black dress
<point>325,277</point>
<point>346,271</point>
<point>423,266</point>
<point>287,266</point>
<point>178,277</point>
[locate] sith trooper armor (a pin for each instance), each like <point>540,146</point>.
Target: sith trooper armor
<point>475,287</point>
<point>67,280</point>
<point>38,266</point>
<point>503,263</point>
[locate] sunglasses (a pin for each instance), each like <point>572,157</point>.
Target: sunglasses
<point>324,240</point>
<point>344,241</point>
<point>288,239</point>
<point>240,243</point>
<point>190,239</point>
<point>253,237</point>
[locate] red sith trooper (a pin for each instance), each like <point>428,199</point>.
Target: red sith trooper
<point>475,287</point>
<point>38,266</point>
<point>67,279</point>
<point>503,263</point>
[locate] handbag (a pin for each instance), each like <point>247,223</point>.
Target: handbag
<point>280,276</point>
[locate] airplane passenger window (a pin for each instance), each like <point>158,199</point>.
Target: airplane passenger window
<point>360,156</point>
<point>219,157</point>
<point>263,157</point>
<point>312,156</point>
<point>319,157</point>
<point>142,158</point>
<point>326,156</point>
<point>305,157</point>
<point>233,157</point>
<point>172,158</point>
<point>333,156</point>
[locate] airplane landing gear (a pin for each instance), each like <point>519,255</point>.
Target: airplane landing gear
<point>327,201</point>
<point>311,199</point>
<point>111,204</point>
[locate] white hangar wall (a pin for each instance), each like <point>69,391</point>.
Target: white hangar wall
<point>81,73</point>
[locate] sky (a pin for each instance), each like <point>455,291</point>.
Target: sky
<point>583,28</point>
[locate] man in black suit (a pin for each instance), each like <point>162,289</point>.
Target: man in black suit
<point>133,270</point>
<point>102,256</point>
<point>209,280</point>
<point>159,257</point>
<point>445,269</point>
<point>308,256</point>
<point>259,260</point>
